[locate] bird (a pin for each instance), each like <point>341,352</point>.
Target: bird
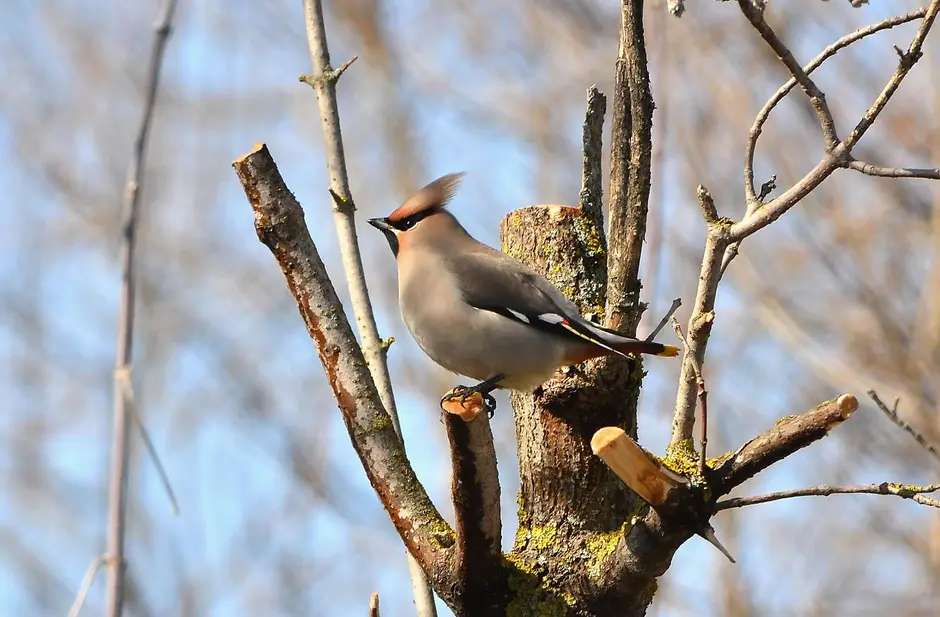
<point>481,313</point>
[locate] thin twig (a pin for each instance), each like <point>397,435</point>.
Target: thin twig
<point>374,605</point>
<point>662,322</point>
<point>894,172</point>
<point>324,82</point>
<point>117,499</point>
<point>915,493</point>
<point>127,388</point>
<point>892,414</point>
<point>701,392</point>
<point>87,580</point>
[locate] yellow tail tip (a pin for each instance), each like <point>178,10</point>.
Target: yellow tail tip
<point>669,351</point>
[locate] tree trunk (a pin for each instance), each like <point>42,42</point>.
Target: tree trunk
<point>572,509</point>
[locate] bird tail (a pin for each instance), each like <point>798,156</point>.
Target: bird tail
<point>649,348</point>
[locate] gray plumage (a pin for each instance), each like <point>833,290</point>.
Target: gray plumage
<point>480,313</point>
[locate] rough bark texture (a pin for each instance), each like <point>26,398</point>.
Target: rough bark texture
<point>631,153</point>
<point>279,222</point>
<point>572,509</point>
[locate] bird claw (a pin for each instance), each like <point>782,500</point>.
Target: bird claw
<point>465,392</point>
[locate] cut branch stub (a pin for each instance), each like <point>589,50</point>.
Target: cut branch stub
<point>634,466</point>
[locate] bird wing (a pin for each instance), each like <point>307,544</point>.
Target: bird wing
<point>493,281</point>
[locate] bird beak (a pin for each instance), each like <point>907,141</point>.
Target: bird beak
<point>380,224</point>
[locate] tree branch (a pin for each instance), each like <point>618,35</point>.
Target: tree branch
<point>324,83</point>
<point>117,490</point>
<point>817,99</point>
<point>480,578</point>
<point>906,62</point>
<point>892,414</point>
<point>592,175</point>
<point>759,121</point>
<point>767,213</point>
<point>885,488</point>
<point>631,152</point>
<point>894,172</point>
<point>787,436</point>
<point>279,222</point>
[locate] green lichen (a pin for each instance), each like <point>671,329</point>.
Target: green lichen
<point>531,596</point>
<point>717,461</point>
<point>906,490</point>
<point>602,546</point>
<point>382,421</point>
<point>682,458</point>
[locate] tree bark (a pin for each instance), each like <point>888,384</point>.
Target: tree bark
<point>572,509</point>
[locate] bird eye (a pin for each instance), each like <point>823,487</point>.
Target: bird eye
<point>408,223</point>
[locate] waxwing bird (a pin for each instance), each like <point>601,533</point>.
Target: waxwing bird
<point>480,313</point>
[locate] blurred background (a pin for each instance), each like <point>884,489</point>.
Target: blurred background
<point>277,518</point>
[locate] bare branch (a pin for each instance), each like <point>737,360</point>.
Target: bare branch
<point>662,322</point>
<point>87,580</point>
<point>279,222</point>
<point>592,176</point>
<point>701,391</point>
<point>906,62</point>
<point>753,200</point>
<point>906,491</point>
<point>374,605</point>
<point>127,390</point>
<point>892,414</point>
<point>786,437</point>
<point>707,203</point>
<point>475,493</point>
<point>699,329</point>
<point>631,152</point>
<point>894,172</point>
<point>324,82</point>
<point>117,490</point>
<point>762,215</point>
<point>755,15</point>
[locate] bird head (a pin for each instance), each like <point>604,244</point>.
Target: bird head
<point>407,222</point>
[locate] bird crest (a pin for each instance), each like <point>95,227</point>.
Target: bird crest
<point>433,196</point>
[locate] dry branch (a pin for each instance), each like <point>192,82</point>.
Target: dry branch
<point>789,435</point>
<point>279,222</point>
<point>324,83</point>
<point>592,176</point>
<point>915,493</point>
<point>117,490</point>
<point>892,414</point>
<point>475,493</point>
<point>631,153</point>
<point>894,172</point>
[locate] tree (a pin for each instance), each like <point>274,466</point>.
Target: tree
<point>586,544</point>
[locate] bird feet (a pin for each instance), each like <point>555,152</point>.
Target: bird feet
<point>484,388</point>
